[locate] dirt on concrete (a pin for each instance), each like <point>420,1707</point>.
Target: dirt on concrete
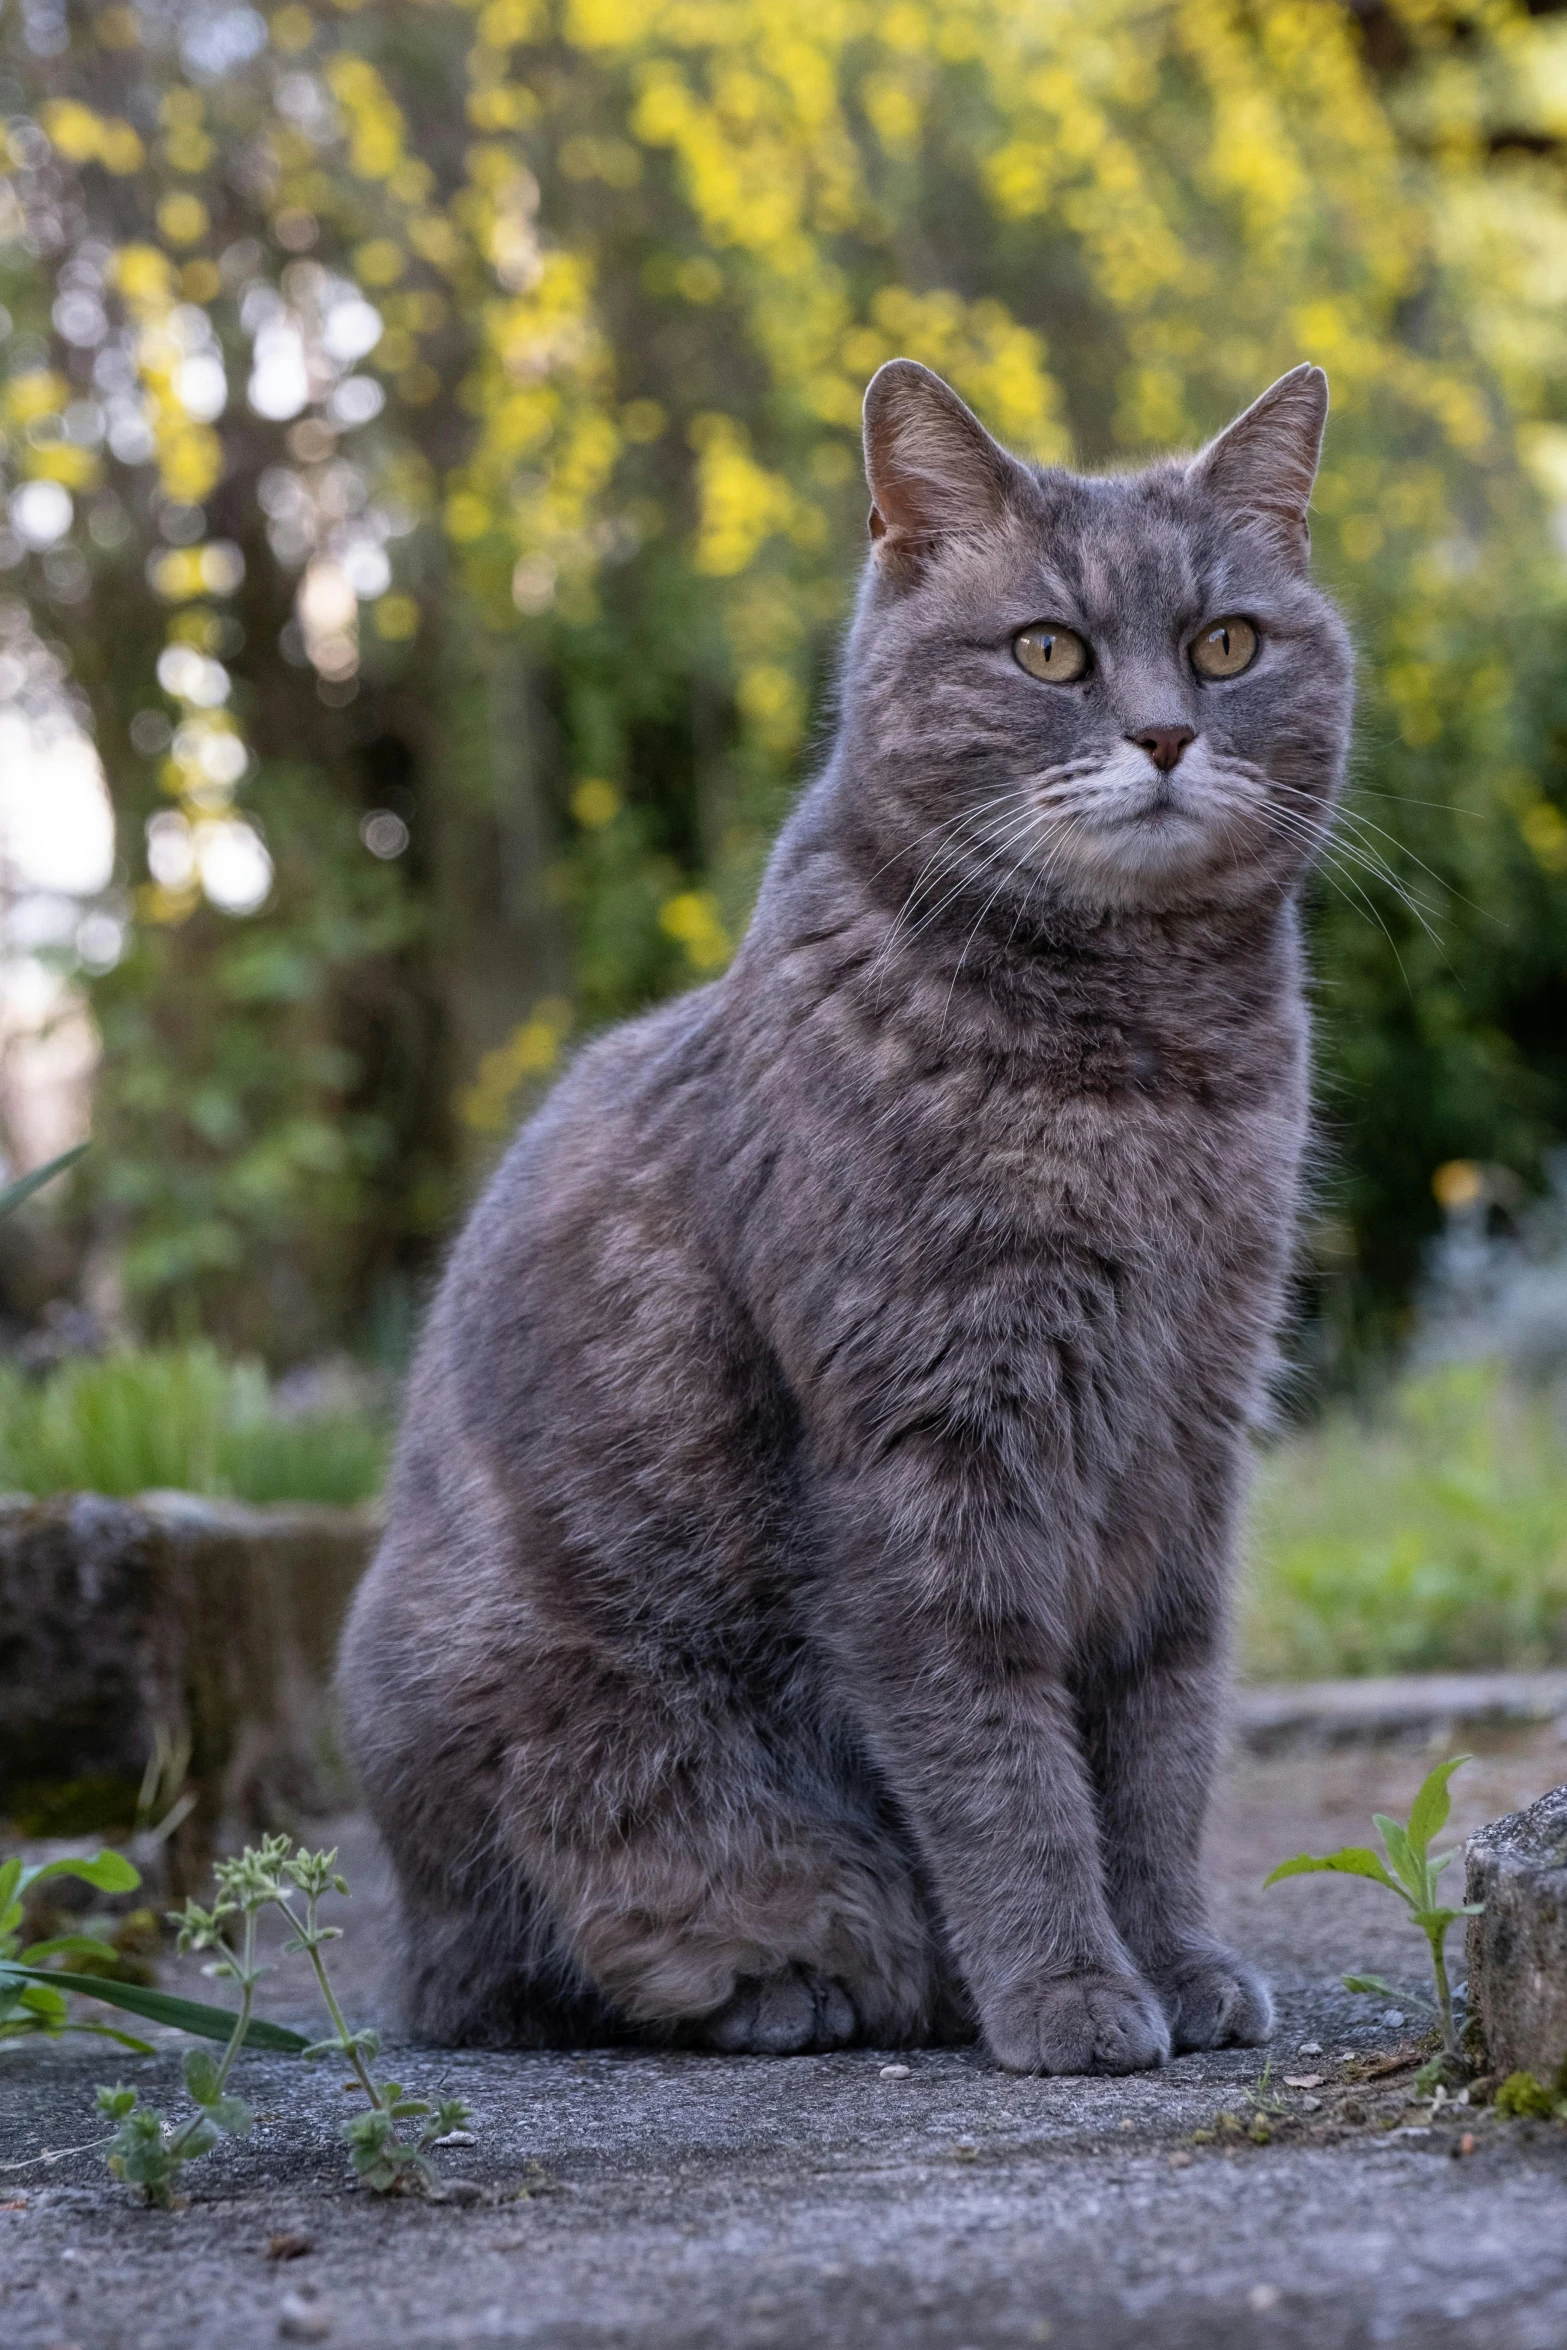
<point>1294,2196</point>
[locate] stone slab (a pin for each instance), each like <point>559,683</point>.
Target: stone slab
<point>1517,1866</point>
<point>1430,1707</point>
<point>203,1620</point>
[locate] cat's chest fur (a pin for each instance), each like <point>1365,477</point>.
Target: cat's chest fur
<point>997,1191</point>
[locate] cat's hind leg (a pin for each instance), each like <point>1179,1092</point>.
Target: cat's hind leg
<point>630,1856</point>
<point>711,1885</point>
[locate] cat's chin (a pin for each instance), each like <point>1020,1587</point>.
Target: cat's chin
<point>1183,865</point>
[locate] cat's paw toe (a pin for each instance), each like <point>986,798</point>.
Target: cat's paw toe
<point>788,2014</point>
<point>1213,2000</point>
<point>1090,2023</point>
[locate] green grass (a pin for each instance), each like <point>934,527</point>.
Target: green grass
<point>179,1417</point>
<point>1428,1537</point>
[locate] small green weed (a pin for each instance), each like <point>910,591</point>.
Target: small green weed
<point>389,2143</point>
<point>1411,1871</point>
<point>30,2003</point>
<point>36,1991</point>
<point>149,2152</point>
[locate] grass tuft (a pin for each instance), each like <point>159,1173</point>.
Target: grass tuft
<point>179,1417</point>
<point>1428,1537</point>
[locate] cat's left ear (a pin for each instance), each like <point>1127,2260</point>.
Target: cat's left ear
<point>934,471</point>
<point>1263,465</point>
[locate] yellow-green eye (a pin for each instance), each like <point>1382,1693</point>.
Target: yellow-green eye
<point>1224,648</point>
<point>1052,653</point>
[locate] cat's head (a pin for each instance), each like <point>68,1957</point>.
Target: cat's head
<point>1116,692</point>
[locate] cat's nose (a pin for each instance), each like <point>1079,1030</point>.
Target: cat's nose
<point>1164,744</point>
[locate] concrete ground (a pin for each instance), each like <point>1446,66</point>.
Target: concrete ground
<point>817,2203</point>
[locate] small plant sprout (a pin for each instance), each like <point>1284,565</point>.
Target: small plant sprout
<point>388,2163</point>
<point>1411,1871</point>
<point>149,2152</point>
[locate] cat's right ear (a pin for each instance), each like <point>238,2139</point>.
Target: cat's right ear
<point>1264,464</point>
<point>934,471</point>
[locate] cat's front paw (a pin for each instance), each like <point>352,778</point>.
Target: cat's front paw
<point>1089,2023</point>
<point>1212,1999</point>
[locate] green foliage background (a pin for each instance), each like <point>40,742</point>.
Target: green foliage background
<point>630,266</point>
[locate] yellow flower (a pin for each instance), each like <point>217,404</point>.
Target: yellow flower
<point>595,803</point>
<point>188,148</point>
<point>467,517</point>
<point>65,462</point>
<point>396,618</point>
<point>74,129</point>
<point>182,218</point>
<point>293,29</point>
<point>530,1052</point>
<point>379,263</point>
<point>38,391</point>
<point>693,919</point>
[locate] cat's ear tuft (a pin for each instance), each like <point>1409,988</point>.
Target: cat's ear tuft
<point>933,469</point>
<point>1263,465</point>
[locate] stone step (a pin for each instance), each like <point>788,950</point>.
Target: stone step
<point>1426,1708</point>
<point>199,1622</point>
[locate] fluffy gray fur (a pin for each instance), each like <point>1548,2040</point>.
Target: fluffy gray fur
<point>802,1613</point>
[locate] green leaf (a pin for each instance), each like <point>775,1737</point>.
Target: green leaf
<point>186,2015</point>
<point>110,1872</point>
<point>23,1188</point>
<point>1354,1860</point>
<point>1405,1866</point>
<point>1428,1813</point>
<point>79,1945</point>
<point>201,2076</point>
<point>10,1878</point>
<point>1378,1987</point>
<point>116,2102</point>
<point>1437,1921</point>
<point>233,2115</point>
<point>44,2001</point>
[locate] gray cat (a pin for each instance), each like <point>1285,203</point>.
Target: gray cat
<point>802,1613</point>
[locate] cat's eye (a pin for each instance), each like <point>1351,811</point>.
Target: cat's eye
<point>1224,648</point>
<point>1055,654</point>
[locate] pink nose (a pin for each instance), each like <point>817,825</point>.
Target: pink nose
<point>1164,744</point>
